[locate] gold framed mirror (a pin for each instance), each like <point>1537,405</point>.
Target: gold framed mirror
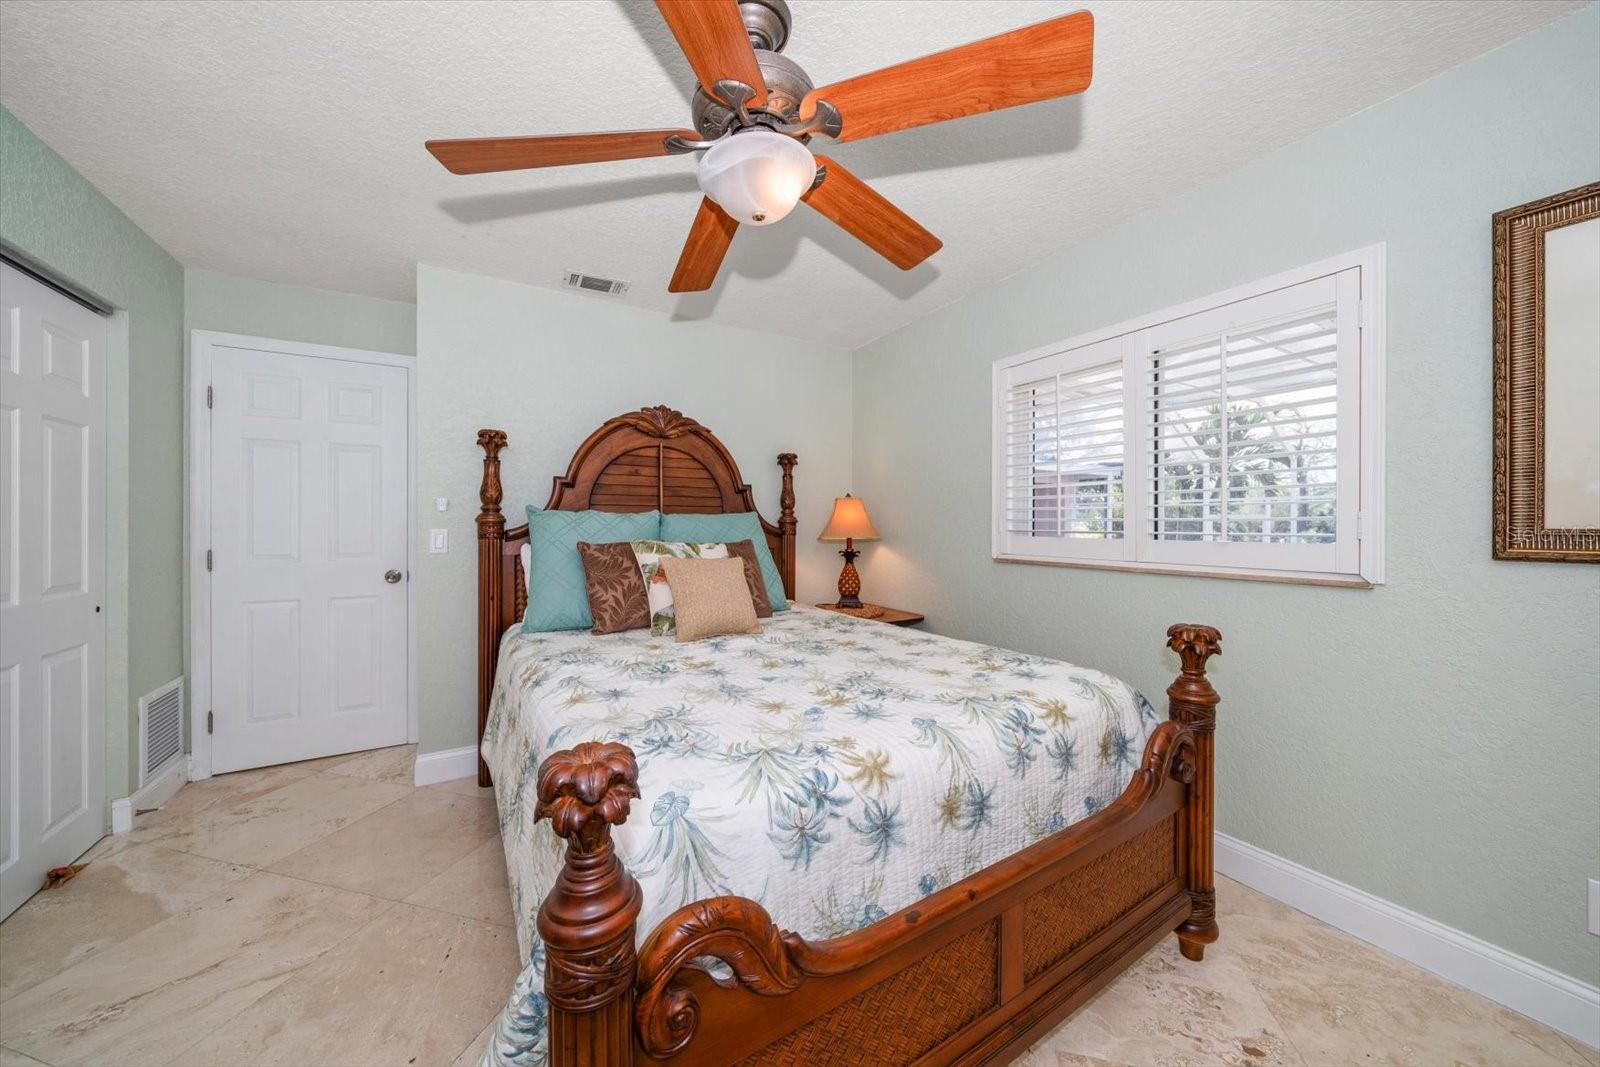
<point>1547,379</point>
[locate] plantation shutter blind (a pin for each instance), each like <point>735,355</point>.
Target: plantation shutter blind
<point>1063,454</point>
<point>1247,422</point>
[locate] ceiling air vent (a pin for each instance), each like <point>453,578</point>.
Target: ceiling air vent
<point>595,285</point>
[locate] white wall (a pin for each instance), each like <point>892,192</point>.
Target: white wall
<point>548,367</point>
<point>1434,741</point>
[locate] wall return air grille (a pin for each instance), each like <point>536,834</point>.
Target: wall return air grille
<point>609,286</point>
<point>160,730</point>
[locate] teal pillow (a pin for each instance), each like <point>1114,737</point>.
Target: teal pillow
<point>733,526</point>
<point>556,596</point>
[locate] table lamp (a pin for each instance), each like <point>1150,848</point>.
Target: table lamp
<point>849,523</point>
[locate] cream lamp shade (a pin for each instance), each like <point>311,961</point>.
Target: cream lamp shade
<point>849,522</point>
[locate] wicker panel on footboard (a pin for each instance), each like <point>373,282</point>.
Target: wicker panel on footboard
<point>1068,913</point>
<point>928,1002</point>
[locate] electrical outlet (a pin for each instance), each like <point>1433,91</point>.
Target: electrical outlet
<point>1594,906</point>
<point>438,541</point>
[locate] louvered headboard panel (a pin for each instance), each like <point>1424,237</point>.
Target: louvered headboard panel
<point>687,473</point>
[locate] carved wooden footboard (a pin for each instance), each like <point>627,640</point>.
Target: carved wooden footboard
<point>973,973</point>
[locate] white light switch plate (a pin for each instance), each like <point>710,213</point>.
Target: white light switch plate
<point>438,541</point>
<point>441,503</point>
<point>1594,906</point>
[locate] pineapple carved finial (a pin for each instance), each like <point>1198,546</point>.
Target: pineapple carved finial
<point>585,790</point>
<point>1192,697</point>
<point>1194,644</point>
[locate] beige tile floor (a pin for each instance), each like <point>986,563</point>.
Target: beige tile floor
<point>331,913</point>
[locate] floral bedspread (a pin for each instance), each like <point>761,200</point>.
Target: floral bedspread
<point>833,769</point>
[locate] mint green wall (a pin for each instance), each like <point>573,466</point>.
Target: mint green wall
<point>1434,741</point>
<point>233,304</point>
<point>548,367</point>
<point>50,212</point>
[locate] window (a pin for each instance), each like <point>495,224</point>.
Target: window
<point>1065,453</point>
<point>1238,435</point>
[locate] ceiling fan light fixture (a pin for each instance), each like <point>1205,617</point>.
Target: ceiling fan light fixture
<point>757,176</point>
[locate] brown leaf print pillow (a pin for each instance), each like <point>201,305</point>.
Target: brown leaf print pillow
<point>746,550</point>
<point>611,578</point>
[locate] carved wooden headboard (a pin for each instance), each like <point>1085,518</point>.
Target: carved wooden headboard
<point>653,458</point>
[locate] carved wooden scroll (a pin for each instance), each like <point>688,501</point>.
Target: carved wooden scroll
<point>735,930</point>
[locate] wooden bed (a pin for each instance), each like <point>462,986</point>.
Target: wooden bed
<point>973,973</point>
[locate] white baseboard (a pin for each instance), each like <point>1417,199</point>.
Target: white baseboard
<point>1545,995</point>
<point>446,766</point>
<point>154,794</point>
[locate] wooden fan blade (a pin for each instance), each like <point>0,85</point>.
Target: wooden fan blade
<point>1038,62</point>
<point>872,220</point>
<point>711,34</point>
<point>708,242</point>
<point>480,155</point>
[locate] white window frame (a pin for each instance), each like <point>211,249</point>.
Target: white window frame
<point>1357,562</point>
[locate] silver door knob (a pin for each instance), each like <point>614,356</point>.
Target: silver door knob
<point>391,576</point>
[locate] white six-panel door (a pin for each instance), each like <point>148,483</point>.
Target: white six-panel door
<point>52,581</point>
<point>308,503</point>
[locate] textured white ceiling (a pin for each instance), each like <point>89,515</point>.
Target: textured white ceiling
<point>284,140</point>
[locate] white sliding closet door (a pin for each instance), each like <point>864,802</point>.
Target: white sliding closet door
<point>52,583</point>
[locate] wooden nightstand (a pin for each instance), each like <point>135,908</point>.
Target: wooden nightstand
<point>892,616</point>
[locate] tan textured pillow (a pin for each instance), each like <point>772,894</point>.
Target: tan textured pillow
<point>615,588</point>
<point>746,550</point>
<point>710,597</point>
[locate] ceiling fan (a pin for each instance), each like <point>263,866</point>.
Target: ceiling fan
<point>755,111</point>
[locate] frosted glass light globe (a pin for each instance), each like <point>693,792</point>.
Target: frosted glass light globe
<point>757,176</point>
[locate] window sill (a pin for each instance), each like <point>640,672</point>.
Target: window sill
<point>1281,577</point>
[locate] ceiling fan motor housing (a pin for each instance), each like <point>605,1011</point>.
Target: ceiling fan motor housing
<point>787,86</point>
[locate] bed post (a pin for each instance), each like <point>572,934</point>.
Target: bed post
<point>1192,702</point>
<point>786,521</point>
<point>587,921</point>
<point>491,534</point>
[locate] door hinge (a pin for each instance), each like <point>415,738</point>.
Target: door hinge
<point>209,397</point>
<point>208,559</point>
<point>210,721</point>
<point>1360,524</point>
